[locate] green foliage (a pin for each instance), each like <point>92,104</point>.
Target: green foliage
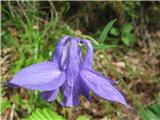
<point>151,113</point>
<point>103,46</point>
<point>127,37</point>
<point>104,33</point>
<point>5,104</point>
<point>30,31</point>
<point>83,117</point>
<point>130,8</point>
<point>124,33</point>
<point>33,100</point>
<point>114,31</point>
<point>28,105</point>
<point>100,44</point>
<point>44,114</point>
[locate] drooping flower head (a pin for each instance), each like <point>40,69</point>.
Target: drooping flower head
<point>70,72</point>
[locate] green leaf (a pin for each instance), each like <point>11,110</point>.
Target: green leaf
<point>114,31</point>
<point>17,99</point>
<point>103,46</point>
<point>83,117</point>
<point>151,113</point>
<point>5,105</point>
<point>128,39</point>
<point>65,9</point>
<point>106,30</point>
<point>44,114</point>
<point>127,28</point>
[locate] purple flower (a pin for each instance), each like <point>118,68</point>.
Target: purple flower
<point>70,72</point>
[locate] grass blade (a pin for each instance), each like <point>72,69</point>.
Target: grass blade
<point>106,30</point>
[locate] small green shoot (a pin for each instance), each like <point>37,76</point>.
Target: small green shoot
<point>106,30</point>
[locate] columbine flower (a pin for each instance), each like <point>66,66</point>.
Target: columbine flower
<point>69,72</point>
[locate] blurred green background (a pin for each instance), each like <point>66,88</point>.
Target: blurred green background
<point>127,51</point>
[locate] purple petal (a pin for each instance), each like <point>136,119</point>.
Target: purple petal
<point>73,59</point>
<point>80,55</point>
<point>70,96</point>
<point>102,87</point>
<point>49,95</point>
<point>63,60</point>
<point>84,90</point>
<point>87,63</point>
<point>42,76</point>
<point>71,86</point>
<point>105,77</point>
<point>59,47</point>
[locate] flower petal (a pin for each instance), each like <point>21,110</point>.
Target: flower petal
<point>87,63</point>
<point>105,77</point>
<point>102,87</point>
<point>59,47</point>
<point>70,94</point>
<point>49,95</point>
<point>84,90</point>
<point>63,58</point>
<point>80,55</point>
<point>71,85</point>
<point>43,76</point>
